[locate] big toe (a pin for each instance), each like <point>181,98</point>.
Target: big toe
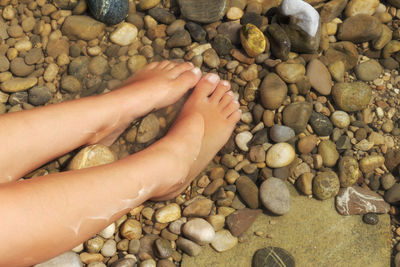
<point>188,77</point>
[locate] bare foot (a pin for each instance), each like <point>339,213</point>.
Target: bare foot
<point>156,86</point>
<point>213,100</point>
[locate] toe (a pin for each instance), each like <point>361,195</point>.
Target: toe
<point>230,108</point>
<point>164,64</point>
<point>207,85</point>
<point>225,100</point>
<point>188,78</point>
<point>170,66</point>
<point>151,66</point>
<point>235,116</point>
<point>222,88</point>
<point>178,69</point>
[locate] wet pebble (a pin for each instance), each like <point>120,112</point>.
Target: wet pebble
<point>321,124</point>
<point>248,191</point>
<point>109,11</point>
<point>242,139</point>
<point>326,185</point>
<point>370,218</point>
<point>275,196</point>
<point>199,230</point>
<point>280,155</point>
<point>224,241</point>
<point>169,213</point>
<point>281,133</point>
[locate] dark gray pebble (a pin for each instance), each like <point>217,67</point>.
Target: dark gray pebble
<point>370,218</point>
<point>321,124</point>
<point>196,31</point>
<point>109,11</point>
<point>272,257</point>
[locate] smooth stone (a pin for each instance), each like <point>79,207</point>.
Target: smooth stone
<point>148,263</point>
<point>280,42</point>
<point>211,59</point>
<point>357,200</point>
<point>148,129</point>
<point>34,56</point>
<point>188,246</point>
<point>222,44</point>
<point>392,47</point>
<point>348,171</point>
<point>340,119</point>
<point>109,248</point>
<point>260,137</point>
<point>343,143</point>
<point>67,259</point>
<point>70,84</point>
<point>253,18</point>
<point>387,181</point>
<point>92,156</point>
<point>131,229</point>
<point>136,63</point>
<point>18,84</point>
<point>326,185</point>
<point>162,15</point>
<point>280,133</point>
<point>224,241</point>
<point>165,263</point>
<point>345,52</point>
<point>169,213</point>
<point>163,248</point>
<point>321,124</point>
<point>4,64</point>
<point>355,7</point>
<point>252,39</point>
<point>395,3</point>
<point>196,31</point>
<point>307,144</point>
<point>239,221</point>
<point>280,155</point>
<point>79,68</point>
<point>124,34</point>
<point>242,139</point>
<point>199,208</point>
<point>301,41</point>
<point>290,72</point>
<point>108,232</point>
<point>273,91</point>
<point>320,77</point>
<point>125,262</point>
<point>232,30</point>
<point>179,39</point>
<point>368,70</point>
<point>371,218</point>
<point>229,160</point>
<point>147,4</point>
<point>203,11</point>
<point>109,11</point>
<point>94,245</point>
<point>134,246</point>
<point>384,38</point>
<point>392,195</point>
<point>296,115</point>
<point>392,159</point>
<point>332,9</point>
<point>370,163</point>
<point>272,256</point>
<point>199,230</point>
<point>18,67</point>
<point>82,27</point>
<point>304,183</point>
<point>248,191</point>
<point>257,154</point>
<point>39,95</point>
<point>360,28</point>
<point>351,97</point>
<point>328,152</point>
<point>275,196</point>
<point>98,65</point>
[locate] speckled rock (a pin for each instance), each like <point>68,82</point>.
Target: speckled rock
<point>321,124</point>
<point>296,115</point>
<point>204,11</point>
<point>348,171</point>
<point>326,185</point>
<point>109,11</point>
<point>272,256</point>
<point>252,39</point>
<point>351,97</point>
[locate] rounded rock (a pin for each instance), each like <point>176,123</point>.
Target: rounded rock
<point>91,156</point>
<point>340,119</point>
<point>370,218</point>
<point>39,95</point>
<point>328,152</point>
<point>307,144</point>
<point>124,34</point>
<point>351,97</point>
<point>273,91</point>
<point>109,11</point>
<point>291,72</point>
<point>280,133</point>
<point>242,139</point>
<point>275,196</point>
<point>348,171</point>
<point>326,185</point>
<point>252,39</point>
<point>320,77</point>
<point>224,241</point>
<point>280,155</point>
<point>131,229</point>
<point>199,230</point>
<point>169,213</point>
<point>368,70</point>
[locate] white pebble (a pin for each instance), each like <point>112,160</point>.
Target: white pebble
<point>124,34</point>
<point>280,155</point>
<point>340,119</point>
<point>242,139</point>
<point>108,232</point>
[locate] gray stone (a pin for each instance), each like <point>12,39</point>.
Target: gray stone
<point>296,115</point>
<point>68,259</point>
<point>204,11</point>
<point>272,256</point>
<point>321,124</point>
<point>280,133</point>
<point>275,196</point>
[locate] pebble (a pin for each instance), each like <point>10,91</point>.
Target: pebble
<point>125,262</point>
<point>252,39</point>
<point>18,84</point>
<point>242,139</point>
<point>328,152</point>
<point>357,200</point>
<point>360,28</point>
<point>199,230</point>
<point>199,208</point>
<point>109,248</point>
<point>131,229</point>
<point>275,196</point>
<point>179,39</point>
<point>224,241</point>
<point>248,191</point>
<point>272,256</point>
<point>95,244</point>
<point>321,124</point>
<point>370,218</point>
<point>351,97</point>
<point>169,213</point>
<point>162,15</point>
<point>280,133</point>
<point>340,119</point>
<point>196,31</point>
<point>280,155</point>
<point>326,185</point>
<point>348,171</point>
<point>280,42</point>
<point>148,129</point>
<point>147,4</point>
<point>222,45</point>
<point>387,181</point>
<point>370,163</point>
<point>273,91</point>
<point>257,154</point>
<point>211,59</point>
<point>345,52</point>
<point>203,11</point>
<point>82,27</point>
<point>67,259</point>
<point>124,34</point>
<point>108,232</point>
<point>392,195</point>
<point>148,263</point>
<point>304,183</point>
<point>232,30</point>
<point>307,144</point>
<point>18,67</point>
<point>320,77</point>
<point>368,70</point>
<point>290,72</point>
<point>163,248</point>
<point>296,115</point>
<point>109,11</point>
<point>355,7</point>
<point>239,221</point>
<point>188,246</point>
<point>70,84</point>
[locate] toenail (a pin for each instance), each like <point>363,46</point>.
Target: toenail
<point>225,83</point>
<point>196,71</point>
<point>236,102</point>
<point>211,77</point>
<point>230,93</point>
<point>191,64</point>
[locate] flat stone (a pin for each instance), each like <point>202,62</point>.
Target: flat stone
<point>241,220</point>
<point>199,208</point>
<point>357,200</point>
<point>199,230</point>
<point>248,191</point>
<point>320,77</point>
<point>204,11</point>
<point>91,156</point>
<point>272,256</point>
<point>18,84</point>
<point>296,115</point>
<point>318,236</point>
<point>360,28</point>
<point>82,27</point>
<point>224,241</point>
<point>148,129</point>
<point>275,196</point>
<point>67,259</point>
<point>169,213</point>
<point>273,91</point>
